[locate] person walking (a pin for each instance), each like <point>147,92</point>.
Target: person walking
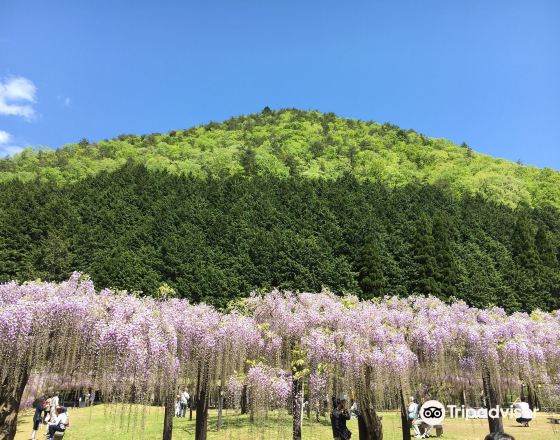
<point>39,404</point>
<point>184,402</point>
<point>178,405</point>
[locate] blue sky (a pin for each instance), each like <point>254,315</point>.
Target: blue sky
<point>483,72</point>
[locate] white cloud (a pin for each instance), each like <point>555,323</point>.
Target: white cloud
<point>9,150</point>
<point>17,96</point>
<point>4,137</point>
<point>6,149</point>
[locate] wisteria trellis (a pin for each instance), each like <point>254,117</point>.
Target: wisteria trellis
<point>139,349</point>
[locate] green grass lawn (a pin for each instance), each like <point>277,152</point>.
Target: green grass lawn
<point>134,422</point>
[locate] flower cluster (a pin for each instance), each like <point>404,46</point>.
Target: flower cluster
<point>272,385</point>
<point>135,347</point>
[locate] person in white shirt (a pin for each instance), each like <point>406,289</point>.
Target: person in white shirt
<point>185,397</point>
<point>55,401</point>
<point>354,409</point>
<point>59,423</point>
<point>412,409</point>
<point>417,423</point>
<point>178,405</point>
<point>413,416</point>
<point>524,411</point>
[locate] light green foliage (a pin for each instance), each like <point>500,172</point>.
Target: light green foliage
<point>166,292</point>
<point>297,143</point>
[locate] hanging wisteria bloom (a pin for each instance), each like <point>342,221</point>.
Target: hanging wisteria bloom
<point>277,348</point>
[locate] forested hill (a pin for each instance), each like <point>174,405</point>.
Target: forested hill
<point>306,144</point>
<point>216,240</point>
<point>290,199</point>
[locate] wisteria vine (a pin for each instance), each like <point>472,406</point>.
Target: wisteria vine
<point>140,349</point>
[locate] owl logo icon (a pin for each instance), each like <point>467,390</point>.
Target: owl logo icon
<point>432,412</point>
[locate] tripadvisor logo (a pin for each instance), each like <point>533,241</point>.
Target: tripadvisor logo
<point>432,412</point>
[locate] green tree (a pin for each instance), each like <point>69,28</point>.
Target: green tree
<point>447,273</point>
<point>248,161</point>
<point>523,243</point>
<point>425,262</point>
<point>371,276</point>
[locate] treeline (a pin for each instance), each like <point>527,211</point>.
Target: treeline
<point>216,240</point>
<point>295,143</point>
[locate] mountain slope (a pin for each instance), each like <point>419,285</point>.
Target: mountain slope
<point>290,199</point>
<point>299,143</point>
<point>218,240</point>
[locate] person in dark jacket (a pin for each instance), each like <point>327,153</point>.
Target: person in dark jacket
<point>339,416</point>
<point>39,404</point>
<point>333,421</point>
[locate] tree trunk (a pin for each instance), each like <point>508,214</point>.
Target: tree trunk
<point>297,407</point>
<point>369,426</point>
<point>194,399</point>
<point>251,406</point>
<point>492,393</point>
<point>202,406</point>
<point>405,423</point>
<point>220,390</point>
<point>191,404</point>
<point>169,414</point>
<point>369,423</point>
<point>11,391</point>
<point>220,407</point>
<point>531,397</point>
<point>244,400</point>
